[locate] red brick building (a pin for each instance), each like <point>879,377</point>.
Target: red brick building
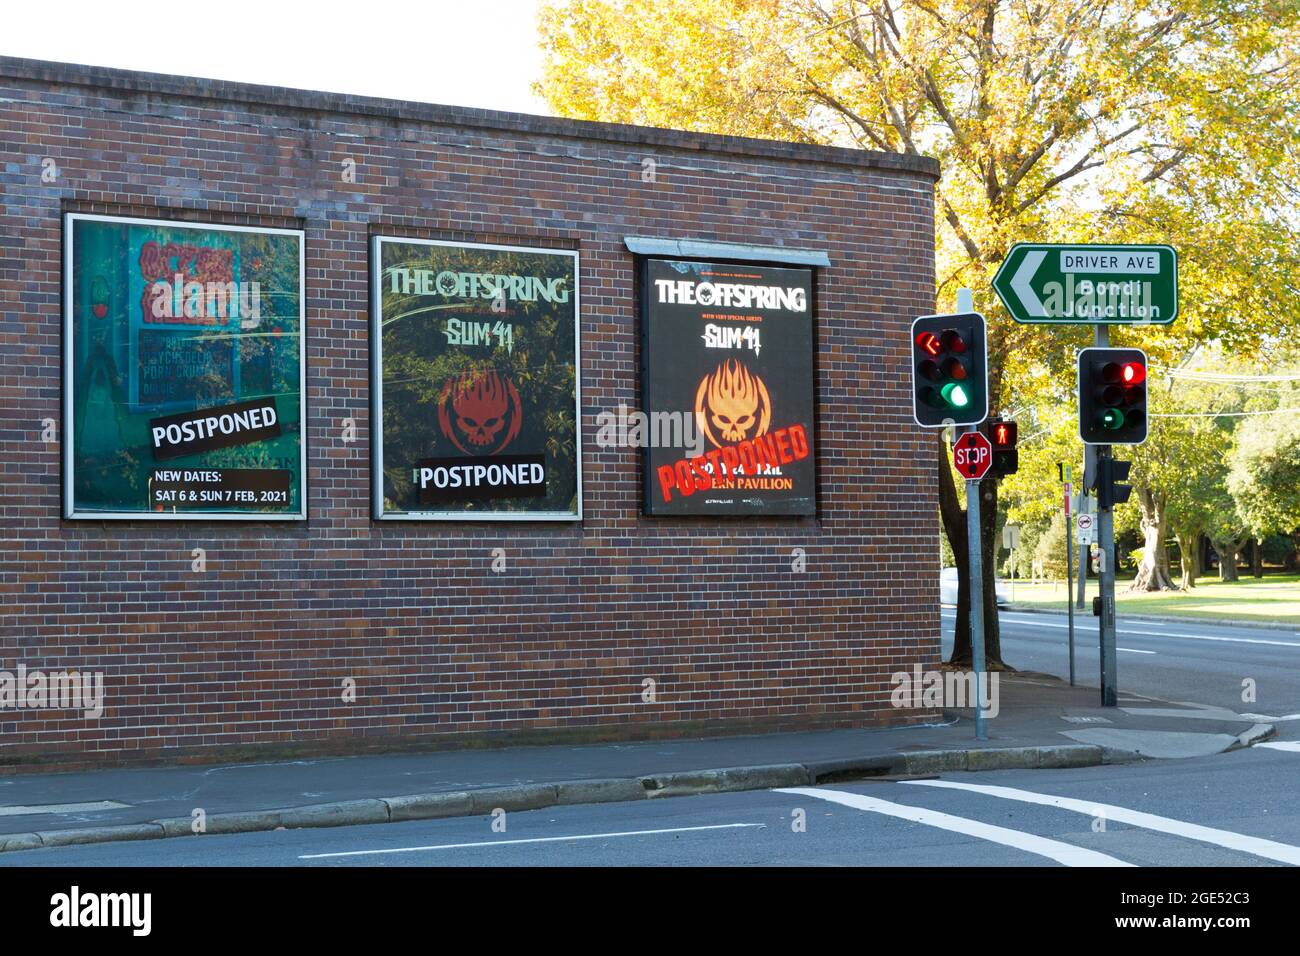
<point>742,624</point>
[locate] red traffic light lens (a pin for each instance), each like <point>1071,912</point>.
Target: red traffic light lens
<point>953,342</point>
<point>954,370</point>
<point>929,343</point>
<point>1000,435</point>
<point>1133,373</point>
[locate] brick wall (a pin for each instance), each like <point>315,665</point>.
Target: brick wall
<point>251,655</point>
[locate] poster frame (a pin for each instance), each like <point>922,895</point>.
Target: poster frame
<point>377,512</point>
<point>70,512</point>
<point>645,470</point>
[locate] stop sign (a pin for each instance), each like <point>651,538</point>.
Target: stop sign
<point>972,455</point>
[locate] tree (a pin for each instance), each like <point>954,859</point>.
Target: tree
<point>1049,552</point>
<point>1096,120</point>
<point>1179,474</point>
<point>1265,475</point>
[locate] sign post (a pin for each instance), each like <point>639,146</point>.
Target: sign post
<point>1069,576</point>
<point>1098,285</point>
<point>972,455</point>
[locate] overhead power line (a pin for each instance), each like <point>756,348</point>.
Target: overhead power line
<point>1224,376</point>
<point>1274,411</point>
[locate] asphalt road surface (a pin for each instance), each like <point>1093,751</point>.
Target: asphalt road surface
<point>1173,660</point>
<point>1235,809</point>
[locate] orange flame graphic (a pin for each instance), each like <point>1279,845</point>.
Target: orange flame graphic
<point>732,404</point>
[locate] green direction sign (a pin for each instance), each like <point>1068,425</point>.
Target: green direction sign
<point>1059,284</point>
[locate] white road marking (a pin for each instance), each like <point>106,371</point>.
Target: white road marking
<point>19,811</point>
<point>559,839</point>
<point>1291,745</point>
<point>1272,720</point>
<point>1133,650</point>
<point>1187,637</point>
<point>1065,853</point>
<point>1268,849</point>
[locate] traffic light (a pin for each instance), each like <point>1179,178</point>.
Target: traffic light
<point>1110,473</point>
<point>1112,396</point>
<point>1002,435</point>
<point>949,370</point>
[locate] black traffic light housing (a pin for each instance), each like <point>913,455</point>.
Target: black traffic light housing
<point>1003,436</point>
<point>1111,472</point>
<point>950,370</point>
<point>1112,396</point>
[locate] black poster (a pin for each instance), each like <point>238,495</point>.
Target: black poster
<point>728,350</point>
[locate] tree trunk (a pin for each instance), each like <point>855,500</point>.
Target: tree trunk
<point>1229,558</point>
<point>1153,573</point>
<point>1256,558</point>
<point>954,526</point>
<point>1189,557</point>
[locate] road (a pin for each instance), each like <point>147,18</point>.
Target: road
<point>1237,809</point>
<point>1175,660</point>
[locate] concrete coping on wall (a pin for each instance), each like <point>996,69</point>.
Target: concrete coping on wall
<point>708,249</point>
<point>250,94</point>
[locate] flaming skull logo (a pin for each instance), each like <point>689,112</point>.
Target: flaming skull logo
<point>479,411</point>
<point>732,405</point>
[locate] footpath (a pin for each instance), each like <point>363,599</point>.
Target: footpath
<point>1041,722</point>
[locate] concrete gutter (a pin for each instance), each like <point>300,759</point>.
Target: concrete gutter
<point>467,803</point>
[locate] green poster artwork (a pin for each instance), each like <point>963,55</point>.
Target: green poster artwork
<point>183,378</point>
<point>475,382</point>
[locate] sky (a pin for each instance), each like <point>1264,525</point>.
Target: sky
<point>479,53</point>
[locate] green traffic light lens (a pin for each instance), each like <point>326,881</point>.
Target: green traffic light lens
<point>1112,418</point>
<point>955,395</point>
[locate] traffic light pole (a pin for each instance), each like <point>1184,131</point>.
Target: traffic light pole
<point>1106,575</point>
<point>1089,475</point>
<point>975,569</point>
<point>976,576</point>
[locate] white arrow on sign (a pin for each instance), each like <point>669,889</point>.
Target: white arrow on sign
<point>1020,283</point>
